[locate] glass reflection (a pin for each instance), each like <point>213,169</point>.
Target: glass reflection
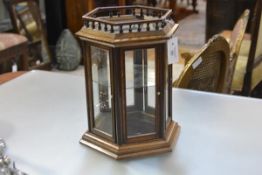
<point>140,91</point>
<point>101,90</point>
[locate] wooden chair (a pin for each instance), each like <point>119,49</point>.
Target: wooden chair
<point>207,70</point>
<point>235,38</point>
<point>253,73</point>
<point>248,71</point>
<point>13,46</point>
<point>26,20</point>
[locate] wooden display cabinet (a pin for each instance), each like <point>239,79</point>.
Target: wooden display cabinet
<point>128,80</point>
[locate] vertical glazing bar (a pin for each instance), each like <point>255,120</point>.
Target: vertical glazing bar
<point>119,97</point>
<point>138,75</point>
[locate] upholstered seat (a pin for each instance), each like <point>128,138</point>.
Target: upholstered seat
<point>8,40</point>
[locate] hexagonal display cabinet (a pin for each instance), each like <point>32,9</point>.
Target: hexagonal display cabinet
<point>128,80</point>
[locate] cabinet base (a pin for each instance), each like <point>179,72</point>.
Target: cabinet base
<point>124,151</point>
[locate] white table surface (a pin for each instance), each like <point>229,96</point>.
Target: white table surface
<point>43,115</point>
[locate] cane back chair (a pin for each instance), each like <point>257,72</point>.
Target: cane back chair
<point>27,20</point>
<point>235,40</point>
<point>207,70</point>
<point>248,69</point>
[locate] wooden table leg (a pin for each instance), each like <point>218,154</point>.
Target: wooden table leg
<point>194,4</point>
<point>24,61</point>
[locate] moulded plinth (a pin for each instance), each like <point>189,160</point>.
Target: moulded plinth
<point>155,146</point>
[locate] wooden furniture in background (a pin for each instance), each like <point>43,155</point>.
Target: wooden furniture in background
<point>235,38</point>
<point>248,69</point>
<point>207,69</point>
<point>253,73</point>
<point>193,3</point>
<point>180,12</point>
<point>75,9</point>
<point>55,14</point>
<point>26,19</point>
<point>222,14</point>
<point>13,46</point>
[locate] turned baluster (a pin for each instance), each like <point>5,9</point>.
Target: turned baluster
<point>139,27</point>
<point>130,28</point>
<point>87,23</point>
<point>93,24</point>
<point>106,28</point>
<point>99,26</point>
<point>121,29</point>
<point>112,29</point>
<point>157,27</point>
<point>148,27</point>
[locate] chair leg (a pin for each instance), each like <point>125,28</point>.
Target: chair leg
<point>24,61</point>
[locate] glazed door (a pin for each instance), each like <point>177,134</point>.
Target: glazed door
<point>141,91</point>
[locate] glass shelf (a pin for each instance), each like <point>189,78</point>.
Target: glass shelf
<point>131,82</point>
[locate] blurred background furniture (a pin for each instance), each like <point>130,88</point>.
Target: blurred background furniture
<point>26,19</point>
<point>180,9</point>
<point>253,73</point>
<point>13,52</point>
<point>56,21</point>
<point>207,69</point>
<point>235,38</point>
<point>248,67</point>
<point>75,9</point>
<point>222,14</point>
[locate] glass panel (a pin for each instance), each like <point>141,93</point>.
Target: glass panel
<point>101,90</point>
<point>151,76</point>
<point>129,61</point>
<point>140,91</point>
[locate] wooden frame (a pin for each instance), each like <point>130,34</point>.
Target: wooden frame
<point>120,145</point>
<point>91,116</point>
<point>138,99</point>
<point>215,44</point>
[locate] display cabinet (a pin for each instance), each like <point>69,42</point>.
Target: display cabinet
<point>128,80</point>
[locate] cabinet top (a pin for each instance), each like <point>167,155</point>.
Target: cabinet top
<point>127,25</point>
